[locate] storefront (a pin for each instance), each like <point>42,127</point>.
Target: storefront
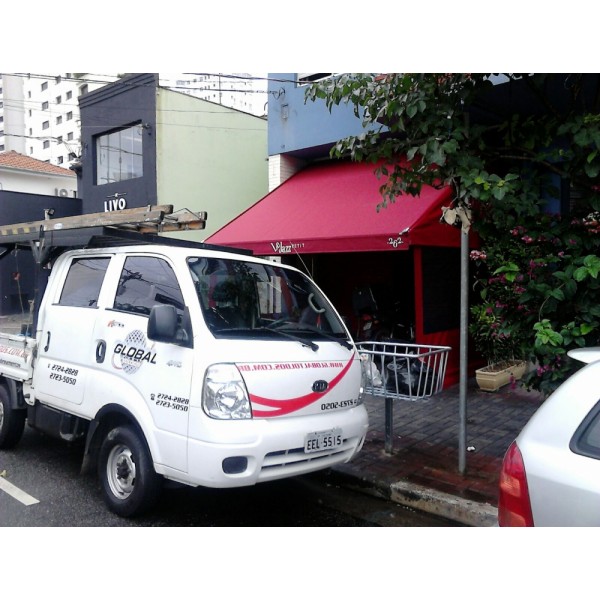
<point>325,220</point>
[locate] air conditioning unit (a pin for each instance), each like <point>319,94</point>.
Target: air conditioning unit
<point>63,193</point>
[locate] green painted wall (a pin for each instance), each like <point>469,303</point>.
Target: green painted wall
<point>209,158</point>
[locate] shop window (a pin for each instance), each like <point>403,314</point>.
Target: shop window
<point>119,155</point>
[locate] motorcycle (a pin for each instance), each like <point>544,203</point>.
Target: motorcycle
<point>380,325</point>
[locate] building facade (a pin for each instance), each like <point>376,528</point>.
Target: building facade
<point>20,173</point>
<point>399,265</point>
<point>144,144</point>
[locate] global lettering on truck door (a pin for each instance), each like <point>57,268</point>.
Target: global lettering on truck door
<point>146,375</point>
<point>66,348</point>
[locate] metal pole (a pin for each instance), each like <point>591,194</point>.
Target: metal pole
<point>464,320</point>
<point>389,425</point>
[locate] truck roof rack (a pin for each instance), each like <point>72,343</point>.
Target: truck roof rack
<point>130,226</point>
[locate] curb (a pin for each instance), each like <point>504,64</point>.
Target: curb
<point>412,495</point>
<point>444,505</point>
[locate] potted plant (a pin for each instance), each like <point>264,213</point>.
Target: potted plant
<point>500,343</point>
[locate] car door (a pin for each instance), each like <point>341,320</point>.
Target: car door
<point>66,350</point>
<point>137,369</point>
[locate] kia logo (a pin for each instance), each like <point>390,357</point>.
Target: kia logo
<point>319,386</point>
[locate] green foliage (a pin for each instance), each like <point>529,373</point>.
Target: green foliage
<point>537,273</point>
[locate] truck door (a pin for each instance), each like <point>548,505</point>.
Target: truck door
<point>65,353</point>
<point>137,369</point>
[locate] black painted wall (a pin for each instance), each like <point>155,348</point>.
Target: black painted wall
<point>17,267</point>
<point>129,101</point>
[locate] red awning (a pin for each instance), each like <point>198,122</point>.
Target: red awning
<point>332,207</point>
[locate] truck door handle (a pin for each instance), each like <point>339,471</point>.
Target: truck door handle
<point>47,343</point>
<point>100,351</point>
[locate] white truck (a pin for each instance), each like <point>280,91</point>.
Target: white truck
<point>172,360</point>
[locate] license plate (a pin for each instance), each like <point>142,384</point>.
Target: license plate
<point>323,440</point>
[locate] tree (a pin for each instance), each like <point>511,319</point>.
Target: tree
<point>507,144</point>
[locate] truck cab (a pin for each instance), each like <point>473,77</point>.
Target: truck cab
<point>186,363</point>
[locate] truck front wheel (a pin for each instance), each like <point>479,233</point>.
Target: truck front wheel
<point>128,479</point>
<point>12,421</point>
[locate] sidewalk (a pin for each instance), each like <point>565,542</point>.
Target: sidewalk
<point>423,470</point>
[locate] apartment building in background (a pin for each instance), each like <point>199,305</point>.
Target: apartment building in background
<point>242,91</point>
<point>41,114</point>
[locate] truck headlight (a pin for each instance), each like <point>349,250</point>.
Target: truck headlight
<point>224,394</point>
<point>363,383</point>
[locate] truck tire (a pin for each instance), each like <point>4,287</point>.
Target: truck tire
<point>129,482</point>
<point>12,421</point>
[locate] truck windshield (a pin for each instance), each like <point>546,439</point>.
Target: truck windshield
<point>250,300</point>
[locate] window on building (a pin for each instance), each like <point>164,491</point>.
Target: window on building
<point>72,156</point>
<point>69,95</point>
<point>46,144</point>
<point>30,149</point>
<point>58,120</point>
<point>45,124</point>
<point>30,131</point>
<point>58,79</point>
<point>44,106</point>
<point>1,147</point>
<point>70,136</point>
<point>59,160</point>
<point>59,139</point>
<point>1,119</point>
<point>306,78</point>
<point>58,99</point>
<point>119,155</point>
<point>30,112</point>
<point>83,89</point>
<point>69,116</point>
<point>44,86</point>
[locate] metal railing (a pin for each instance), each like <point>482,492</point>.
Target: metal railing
<point>401,371</point>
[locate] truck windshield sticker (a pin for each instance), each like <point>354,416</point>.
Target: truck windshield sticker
<point>131,354</point>
<point>276,408</point>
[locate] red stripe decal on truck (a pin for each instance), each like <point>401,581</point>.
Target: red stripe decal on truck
<point>289,405</point>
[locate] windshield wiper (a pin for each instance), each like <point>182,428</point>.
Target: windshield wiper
<point>312,329</point>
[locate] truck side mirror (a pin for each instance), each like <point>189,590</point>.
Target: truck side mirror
<point>162,324</point>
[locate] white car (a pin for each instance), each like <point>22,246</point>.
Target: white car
<point>551,473</point>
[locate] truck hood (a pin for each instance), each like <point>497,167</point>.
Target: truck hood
<point>299,385</point>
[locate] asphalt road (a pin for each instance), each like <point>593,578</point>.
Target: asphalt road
<point>50,492</point>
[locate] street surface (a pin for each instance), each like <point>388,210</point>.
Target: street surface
<point>40,486</point>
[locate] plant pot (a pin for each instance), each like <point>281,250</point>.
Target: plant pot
<point>493,377</point>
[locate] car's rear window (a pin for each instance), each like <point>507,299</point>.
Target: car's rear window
<point>586,440</point>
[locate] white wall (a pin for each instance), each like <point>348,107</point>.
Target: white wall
<point>15,180</point>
